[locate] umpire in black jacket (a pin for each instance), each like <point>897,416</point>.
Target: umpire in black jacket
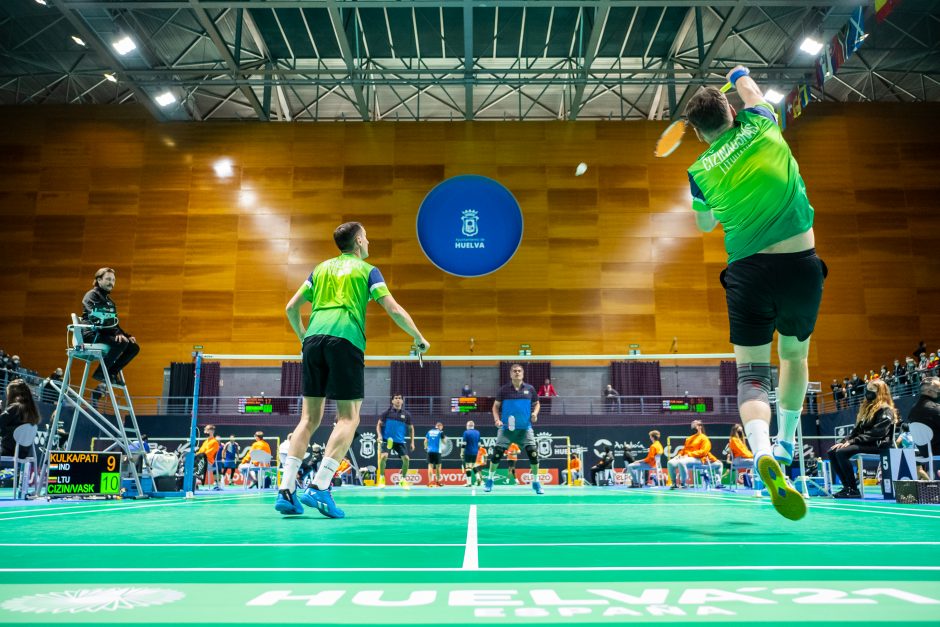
<point>100,310</point>
<point>873,433</point>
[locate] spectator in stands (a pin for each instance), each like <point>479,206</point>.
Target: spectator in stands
<point>857,387</point>
<point>739,455</point>
<point>100,310</point>
<point>606,462</point>
<point>695,452</point>
<point>933,362</point>
<point>927,410</point>
<point>547,389</point>
<point>920,350</point>
<point>466,390</point>
<point>648,463</point>
<point>5,369</point>
<point>873,432</point>
<point>48,393</point>
<point>900,374</point>
<point>913,377</point>
<point>611,399</point>
<point>838,393</point>
<point>922,364</point>
<point>15,367</point>
<point>19,409</point>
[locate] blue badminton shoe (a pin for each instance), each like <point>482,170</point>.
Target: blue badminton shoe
<point>322,500</point>
<point>537,486</point>
<point>788,502</point>
<point>287,503</point>
<point>783,452</point>
<point>488,485</point>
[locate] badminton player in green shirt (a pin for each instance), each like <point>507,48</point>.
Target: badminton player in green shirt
<point>748,181</point>
<point>334,344</point>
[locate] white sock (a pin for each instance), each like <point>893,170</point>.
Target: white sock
<point>324,476</point>
<point>758,436</point>
<point>289,473</point>
<point>787,420</point>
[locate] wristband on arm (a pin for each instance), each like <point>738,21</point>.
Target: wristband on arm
<point>737,74</point>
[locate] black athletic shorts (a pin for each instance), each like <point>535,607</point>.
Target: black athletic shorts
<point>434,458</point>
<point>469,459</point>
<point>773,291</point>
<point>397,447</point>
<point>333,368</point>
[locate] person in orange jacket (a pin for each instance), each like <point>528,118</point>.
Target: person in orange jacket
<point>208,451</point>
<point>649,462</point>
<point>695,452</point>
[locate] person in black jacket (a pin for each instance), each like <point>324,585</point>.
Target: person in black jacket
<point>20,409</point>
<point>100,310</point>
<point>873,432</point>
<point>606,462</point>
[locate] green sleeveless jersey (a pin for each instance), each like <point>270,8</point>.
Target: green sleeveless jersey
<point>750,181</point>
<point>339,290</point>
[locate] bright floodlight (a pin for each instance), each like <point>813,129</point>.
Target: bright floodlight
<point>111,77</point>
<point>773,96</point>
<point>42,2</point>
<point>165,99</point>
<point>223,168</point>
<point>811,46</point>
<point>125,45</point>
<point>78,40</point>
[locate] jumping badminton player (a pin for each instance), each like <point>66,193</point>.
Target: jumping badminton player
<point>334,344</point>
<point>749,182</point>
<point>515,410</point>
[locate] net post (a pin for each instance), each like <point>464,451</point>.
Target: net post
<point>568,458</point>
<point>189,484</point>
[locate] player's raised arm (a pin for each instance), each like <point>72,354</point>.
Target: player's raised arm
<point>745,86</point>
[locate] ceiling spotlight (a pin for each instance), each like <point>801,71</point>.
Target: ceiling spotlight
<point>165,99</point>
<point>811,46</point>
<point>111,77</point>
<point>125,45</point>
<point>773,96</point>
<point>78,40</point>
<point>223,168</point>
<point>42,2</point>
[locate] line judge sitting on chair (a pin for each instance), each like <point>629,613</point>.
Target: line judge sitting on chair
<point>100,310</point>
<point>247,464</point>
<point>695,453</point>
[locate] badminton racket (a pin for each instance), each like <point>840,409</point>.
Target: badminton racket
<point>672,136</point>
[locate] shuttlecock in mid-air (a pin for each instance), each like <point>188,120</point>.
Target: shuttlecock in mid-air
<point>581,169</point>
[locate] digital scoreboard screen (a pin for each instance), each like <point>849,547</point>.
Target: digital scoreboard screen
<point>463,404</point>
<point>84,473</point>
<point>255,405</point>
<point>693,404</point>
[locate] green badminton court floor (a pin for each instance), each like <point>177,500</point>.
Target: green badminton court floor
<point>456,556</point>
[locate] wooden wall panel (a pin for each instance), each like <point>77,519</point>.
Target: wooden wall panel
<point>608,259</point>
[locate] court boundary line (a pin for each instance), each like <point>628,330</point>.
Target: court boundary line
<point>174,545</point>
<point>471,555</point>
<point>497,569</point>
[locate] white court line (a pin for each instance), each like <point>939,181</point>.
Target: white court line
<point>247,545</point>
<point>509,569</point>
<point>117,507</point>
<point>471,558</point>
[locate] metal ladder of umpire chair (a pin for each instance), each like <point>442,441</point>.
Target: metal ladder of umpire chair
<point>112,427</point>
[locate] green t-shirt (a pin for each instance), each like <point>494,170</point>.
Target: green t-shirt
<point>340,289</point>
<point>750,181</point>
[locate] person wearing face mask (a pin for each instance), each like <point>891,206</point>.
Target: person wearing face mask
<point>873,432</point>
<point>100,310</point>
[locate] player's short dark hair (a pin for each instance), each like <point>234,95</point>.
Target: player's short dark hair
<point>708,110</point>
<point>101,272</point>
<point>345,235</point>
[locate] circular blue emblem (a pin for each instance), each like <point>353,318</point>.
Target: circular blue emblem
<point>469,225</point>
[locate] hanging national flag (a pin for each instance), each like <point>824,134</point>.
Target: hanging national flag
<point>825,61</point>
<point>820,75</point>
<point>883,8</point>
<point>796,104</point>
<point>855,33</point>
<point>837,56</point>
<point>804,95</point>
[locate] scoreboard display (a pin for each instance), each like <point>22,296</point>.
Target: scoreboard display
<point>255,405</point>
<point>84,473</point>
<point>463,404</point>
<point>693,404</point>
